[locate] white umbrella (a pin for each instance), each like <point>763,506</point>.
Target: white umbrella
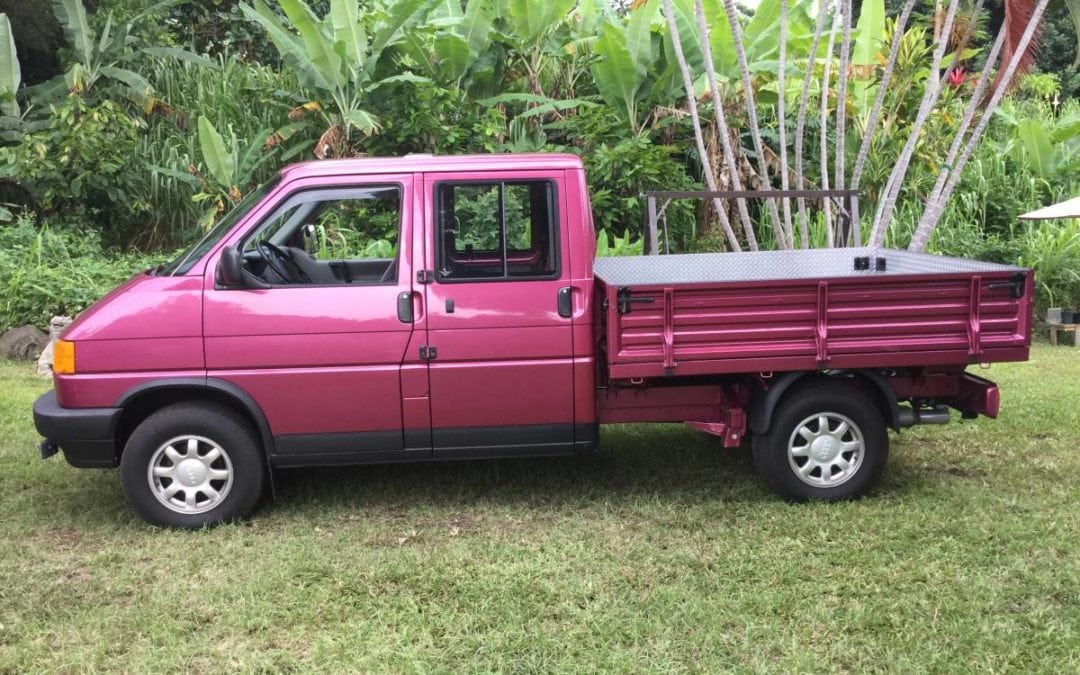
<point>1070,208</point>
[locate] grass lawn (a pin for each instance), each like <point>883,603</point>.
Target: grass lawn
<point>661,553</point>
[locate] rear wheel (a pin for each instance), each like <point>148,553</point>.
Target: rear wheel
<point>825,442</point>
<point>193,464</point>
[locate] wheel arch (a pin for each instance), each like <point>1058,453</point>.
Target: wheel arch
<point>141,401</point>
<point>763,401</point>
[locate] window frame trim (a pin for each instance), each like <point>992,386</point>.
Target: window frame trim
<point>249,232</point>
<point>553,219</point>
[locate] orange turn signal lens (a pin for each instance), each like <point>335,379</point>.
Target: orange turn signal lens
<point>64,357</point>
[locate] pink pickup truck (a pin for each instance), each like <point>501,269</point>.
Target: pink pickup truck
<point>436,308</point>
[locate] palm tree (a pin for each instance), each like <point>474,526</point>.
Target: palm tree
<point>781,115</point>
<point>823,136</point>
<point>800,124</point>
<point>751,114</point>
<point>886,76</point>
<point>1002,82</point>
<point>722,129</point>
<point>699,138</point>
<point>887,203</point>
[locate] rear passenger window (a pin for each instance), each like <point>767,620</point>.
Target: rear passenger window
<point>496,230</point>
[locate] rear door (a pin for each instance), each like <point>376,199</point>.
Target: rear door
<point>499,335</point>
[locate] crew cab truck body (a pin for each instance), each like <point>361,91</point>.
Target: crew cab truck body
<point>433,308</point>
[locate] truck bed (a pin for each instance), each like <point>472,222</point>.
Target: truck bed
<point>717,313</point>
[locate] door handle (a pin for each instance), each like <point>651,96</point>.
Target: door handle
<point>405,307</point>
<point>566,304</point>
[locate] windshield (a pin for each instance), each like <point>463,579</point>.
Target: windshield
<point>186,260</point>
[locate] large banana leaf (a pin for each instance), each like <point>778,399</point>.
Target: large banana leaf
<point>475,27</point>
<point>453,55</point>
<point>639,37</point>
<point>292,50</point>
<point>349,33</point>
<point>868,44</point>
<point>532,19</point>
<point>688,35</point>
<point>319,48</point>
<point>72,17</point>
<point>220,160</point>
<point>615,72</point>
<point>139,84</point>
<point>1037,149</point>
<point>399,14</point>
<point>10,75</point>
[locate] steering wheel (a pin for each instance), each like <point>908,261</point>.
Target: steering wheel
<point>281,263</point>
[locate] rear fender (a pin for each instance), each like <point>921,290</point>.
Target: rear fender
<point>763,401</point>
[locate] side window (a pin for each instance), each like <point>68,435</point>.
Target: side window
<point>496,230</point>
<point>333,236</point>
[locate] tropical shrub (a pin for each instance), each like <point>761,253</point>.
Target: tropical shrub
<point>80,166</point>
<point>47,270</point>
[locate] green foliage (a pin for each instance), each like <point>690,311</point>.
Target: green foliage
<point>614,245</point>
<point>338,57</point>
<point>47,271</point>
<point>103,54</point>
<point>1054,253</point>
<point>620,174</point>
<point>82,165</point>
<point>427,117</point>
<point>230,167</point>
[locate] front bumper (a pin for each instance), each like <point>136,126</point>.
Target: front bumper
<point>86,435</point>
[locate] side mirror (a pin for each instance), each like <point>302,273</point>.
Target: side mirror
<point>231,273</point>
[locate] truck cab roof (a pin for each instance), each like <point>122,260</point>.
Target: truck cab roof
<point>431,163</point>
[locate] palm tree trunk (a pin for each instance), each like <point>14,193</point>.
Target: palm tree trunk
<point>841,113</point>
<point>887,204</point>
<point>699,138</point>
<point>879,101</point>
<point>781,114</point>
<point>935,205</point>
<point>800,124</point>
<point>925,229</point>
<point>751,115</point>
<point>722,126</point>
<point>823,132</point>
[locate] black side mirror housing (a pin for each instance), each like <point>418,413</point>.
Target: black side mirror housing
<point>231,274</point>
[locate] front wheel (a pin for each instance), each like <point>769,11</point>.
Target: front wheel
<point>825,442</point>
<point>193,464</point>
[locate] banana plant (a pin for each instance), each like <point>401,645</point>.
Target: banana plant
<point>624,57</point>
<point>1050,149</point>
<point>230,167</point>
<point>339,57</point>
<point>101,57</point>
<point>452,48</point>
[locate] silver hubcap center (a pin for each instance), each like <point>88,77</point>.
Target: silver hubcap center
<point>190,474</point>
<point>824,449</point>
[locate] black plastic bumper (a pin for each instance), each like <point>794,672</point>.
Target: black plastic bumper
<point>84,434</point>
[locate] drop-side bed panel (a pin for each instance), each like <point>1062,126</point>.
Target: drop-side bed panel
<point>918,310</point>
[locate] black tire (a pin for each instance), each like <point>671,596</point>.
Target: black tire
<point>838,403</point>
<point>243,461</point>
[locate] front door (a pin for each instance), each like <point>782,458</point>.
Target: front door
<point>500,349</point>
<point>321,350</point>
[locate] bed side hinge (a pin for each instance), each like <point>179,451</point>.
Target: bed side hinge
<point>428,353</point>
<point>623,300</point>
